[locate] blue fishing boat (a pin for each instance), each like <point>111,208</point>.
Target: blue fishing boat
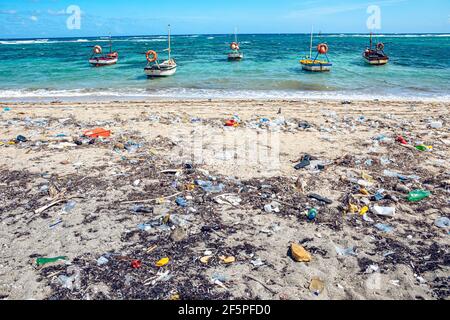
<point>316,65</point>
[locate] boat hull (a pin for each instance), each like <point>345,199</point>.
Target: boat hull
<point>376,62</point>
<point>103,62</point>
<point>375,58</point>
<point>235,56</point>
<point>155,73</point>
<point>317,67</point>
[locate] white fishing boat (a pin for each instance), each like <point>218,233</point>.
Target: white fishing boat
<point>164,69</point>
<point>316,65</point>
<point>235,54</point>
<point>98,59</point>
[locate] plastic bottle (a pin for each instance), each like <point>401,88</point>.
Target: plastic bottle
<point>423,148</point>
<point>418,195</point>
<point>42,261</point>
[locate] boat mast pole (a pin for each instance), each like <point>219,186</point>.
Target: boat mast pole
<point>311,44</point>
<point>235,35</point>
<point>169,43</point>
<point>371,41</point>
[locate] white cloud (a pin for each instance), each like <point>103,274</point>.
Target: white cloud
<point>57,12</point>
<point>34,18</point>
<point>8,11</point>
<point>327,10</point>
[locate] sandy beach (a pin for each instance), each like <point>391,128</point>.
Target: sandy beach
<point>224,203</point>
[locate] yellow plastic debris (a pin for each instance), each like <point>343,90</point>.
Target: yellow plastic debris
<point>162,262</point>
<point>364,210</point>
<point>205,259</point>
<point>299,253</point>
<point>189,187</point>
<point>366,177</point>
<point>364,192</point>
<point>228,260</point>
<point>175,297</point>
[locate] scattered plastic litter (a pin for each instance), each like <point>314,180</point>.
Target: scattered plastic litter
<point>136,264</point>
<point>350,251</point>
<point>316,286</point>
<point>320,198</point>
<point>306,161</point>
<point>102,261</point>
<point>312,214</point>
<point>442,222</point>
<point>21,138</point>
<point>384,211</point>
<point>44,261</point>
<point>418,195</point>
<point>384,227</point>
<point>69,206</point>
<point>97,133</point>
<point>272,207</point>
<point>181,202</point>
<point>209,187</point>
<point>161,263</point>
<point>299,253</point>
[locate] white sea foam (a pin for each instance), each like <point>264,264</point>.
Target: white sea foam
<point>390,35</point>
<point>188,93</point>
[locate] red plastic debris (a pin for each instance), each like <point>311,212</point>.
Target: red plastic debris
<point>401,140</point>
<point>231,123</point>
<point>136,264</point>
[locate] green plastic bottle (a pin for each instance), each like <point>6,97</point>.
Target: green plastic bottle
<point>418,195</point>
<point>423,148</point>
<point>42,261</point>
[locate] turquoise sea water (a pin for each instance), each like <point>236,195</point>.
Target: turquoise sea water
<point>58,68</point>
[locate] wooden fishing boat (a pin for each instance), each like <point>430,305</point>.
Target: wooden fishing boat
<point>163,69</point>
<point>235,54</point>
<point>375,56</point>
<point>316,65</point>
<point>98,59</point>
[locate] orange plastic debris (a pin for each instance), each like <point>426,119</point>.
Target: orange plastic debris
<point>98,132</point>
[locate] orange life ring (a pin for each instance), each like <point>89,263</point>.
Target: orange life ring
<point>380,46</point>
<point>153,54</point>
<point>322,48</point>
<point>234,46</point>
<point>98,50</point>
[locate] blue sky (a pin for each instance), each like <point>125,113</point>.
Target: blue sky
<point>47,18</point>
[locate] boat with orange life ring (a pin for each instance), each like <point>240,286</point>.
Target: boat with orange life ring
<point>163,69</point>
<point>99,60</point>
<point>316,65</point>
<point>235,54</point>
<point>375,56</point>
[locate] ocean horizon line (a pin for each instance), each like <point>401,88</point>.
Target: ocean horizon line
<point>227,34</point>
